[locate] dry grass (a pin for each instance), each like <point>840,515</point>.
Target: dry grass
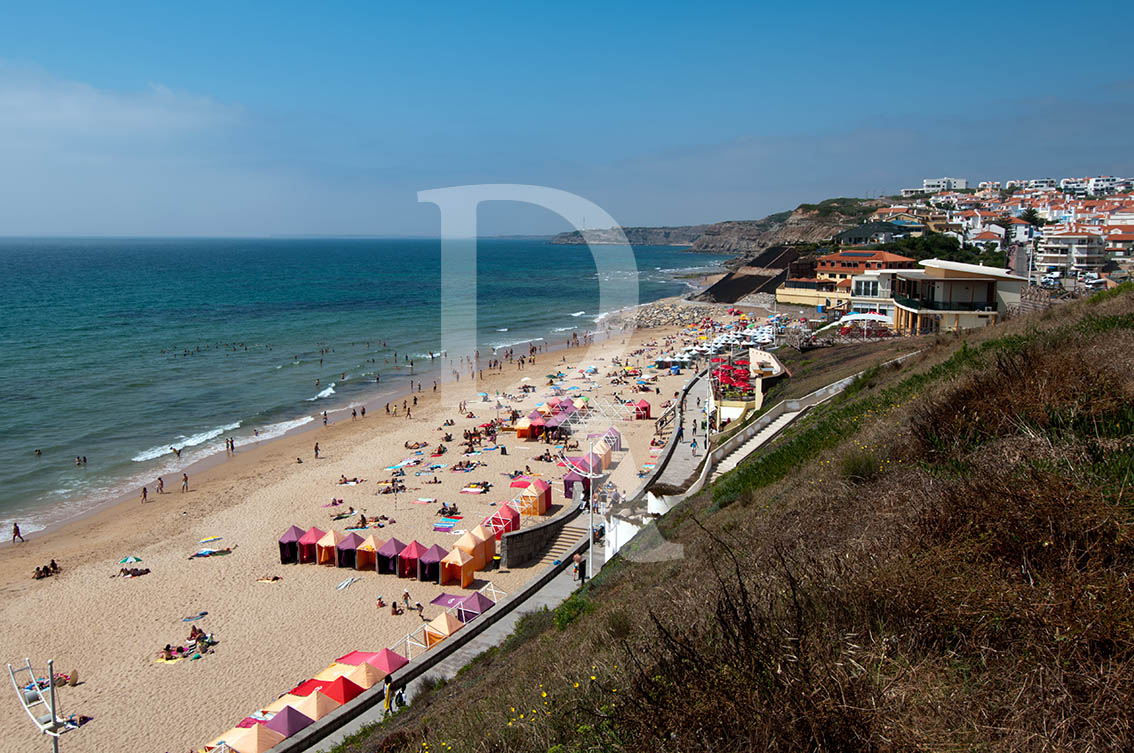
<point>972,591</point>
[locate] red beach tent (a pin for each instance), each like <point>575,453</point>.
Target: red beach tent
<point>502,521</point>
<point>407,559</point>
<point>289,545</point>
<point>342,690</point>
<point>307,544</point>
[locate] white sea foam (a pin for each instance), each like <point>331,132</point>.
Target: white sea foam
<point>563,329</point>
<point>498,346</point>
<point>577,313</point>
<point>427,355</point>
<point>325,393</point>
<point>502,329</point>
<point>182,442</point>
<point>271,431</point>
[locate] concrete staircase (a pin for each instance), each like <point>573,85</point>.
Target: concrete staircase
<point>735,457</point>
<point>567,539</point>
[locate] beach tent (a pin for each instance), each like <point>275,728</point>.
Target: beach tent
<point>457,567</point>
<point>365,675</point>
<point>387,661</point>
<point>316,706</point>
<point>536,498</point>
<point>354,658</point>
<point>611,438</point>
<point>308,544</point>
<point>487,541</point>
<point>388,556</point>
<point>347,549</point>
<point>289,545</point>
<point>407,559</point>
<point>641,410</point>
<point>288,721</point>
<point>473,547</point>
<point>326,549</point>
<point>473,606</point>
<point>569,482</point>
<point>524,429</point>
<point>441,628</point>
<point>603,453</point>
<point>429,564</point>
<point>536,427</point>
<point>366,556</point>
<point>307,687</point>
<point>233,734</point>
<point>502,521</point>
<point>333,672</point>
<point>342,690</point>
<point>592,463</point>
<point>278,705</point>
<point>255,739</point>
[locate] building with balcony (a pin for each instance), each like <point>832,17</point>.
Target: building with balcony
<point>1070,250</point>
<point>951,296</point>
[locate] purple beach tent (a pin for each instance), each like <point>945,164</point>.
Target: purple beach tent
<point>289,545</point>
<point>573,478</point>
<point>429,564</point>
<point>288,721</point>
<point>473,606</point>
<point>347,549</point>
<point>388,556</point>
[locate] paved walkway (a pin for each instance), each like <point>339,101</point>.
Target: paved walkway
<point>683,463</point>
<point>551,595</point>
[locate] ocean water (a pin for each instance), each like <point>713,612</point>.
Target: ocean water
<point>118,349</point>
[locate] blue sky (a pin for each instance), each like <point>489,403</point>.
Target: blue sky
<point>258,118</point>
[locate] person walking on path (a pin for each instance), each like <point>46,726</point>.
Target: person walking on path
<point>388,696</point>
<point>16,533</point>
<point>693,447</point>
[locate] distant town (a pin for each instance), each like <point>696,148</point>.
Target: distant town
<point>1012,246</point>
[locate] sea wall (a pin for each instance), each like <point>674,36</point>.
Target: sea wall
<point>518,548</point>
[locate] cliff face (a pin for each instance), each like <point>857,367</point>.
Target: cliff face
<point>637,236</point>
<point>809,223</point>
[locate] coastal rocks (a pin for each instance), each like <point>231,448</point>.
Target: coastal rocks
<point>666,315</point>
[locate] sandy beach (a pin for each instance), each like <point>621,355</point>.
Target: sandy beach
<point>271,635</point>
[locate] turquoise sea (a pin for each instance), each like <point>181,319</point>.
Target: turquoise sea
<point>118,349</point>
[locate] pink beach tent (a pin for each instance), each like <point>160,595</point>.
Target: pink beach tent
<point>388,661</point>
<point>308,544</point>
<point>407,559</point>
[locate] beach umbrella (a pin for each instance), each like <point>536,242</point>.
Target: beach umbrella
<point>388,661</point>
<point>288,721</point>
<point>280,703</point>
<point>316,706</point>
<point>333,672</point>
<point>256,739</point>
<point>342,690</point>
<point>365,675</point>
<point>131,560</point>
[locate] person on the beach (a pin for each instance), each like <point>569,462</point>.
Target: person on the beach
<point>145,495</point>
<point>184,482</point>
<point>353,414</point>
<point>16,533</point>
<point>316,450</point>
<point>176,451</point>
<point>362,410</point>
<point>406,597</point>
<point>160,485</point>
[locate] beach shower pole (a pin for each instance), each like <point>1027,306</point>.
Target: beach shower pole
<point>54,717</point>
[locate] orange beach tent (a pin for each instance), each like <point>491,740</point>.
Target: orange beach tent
<point>441,628</point>
<point>326,552</point>
<point>473,547</point>
<point>366,556</point>
<point>315,706</point>
<point>457,567</point>
<point>536,498</point>
<point>276,706</point>
<point>487,539</point>
<point>365,675</point>
<point>254,739</point>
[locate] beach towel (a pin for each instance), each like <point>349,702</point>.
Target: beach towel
<point>340,483</point>
<point>473,490</point>
<point>210,540</point>
<point>167,661</point>
<point>209,553</point>
<point>424,500</point>
<point>194,618</point>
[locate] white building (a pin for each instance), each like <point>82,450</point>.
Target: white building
<point>1103,185</point>
<point>1071,250</point>
<point>1042,183</point>
<point>936,185</point>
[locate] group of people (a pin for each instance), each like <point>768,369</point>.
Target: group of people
<point>46,571</point>
<point>197,644</point>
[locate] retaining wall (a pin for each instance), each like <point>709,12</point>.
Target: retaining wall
<point>518,548</point>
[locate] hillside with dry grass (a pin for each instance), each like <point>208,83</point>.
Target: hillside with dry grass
<point>939,559</point>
